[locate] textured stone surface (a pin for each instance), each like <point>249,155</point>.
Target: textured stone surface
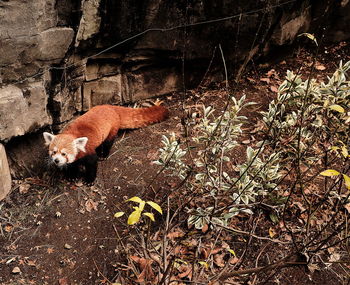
<point>150,83</point>
<point>341,23</point>
<point>5,177</point>
<point>27,155</point>
<point>90,20</point>
<point>96,71</point>
<point>29,38</point>
<point>53,43</point>
<point>22,111</point>
<point>290,26</point>
<point>107,90</point>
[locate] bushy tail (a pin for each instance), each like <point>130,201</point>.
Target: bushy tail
<point>136,118</point>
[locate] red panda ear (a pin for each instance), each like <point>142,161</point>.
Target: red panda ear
<point>48,138</point>
<point>80,143</point>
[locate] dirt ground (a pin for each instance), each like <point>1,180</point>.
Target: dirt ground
<point>66,233</point>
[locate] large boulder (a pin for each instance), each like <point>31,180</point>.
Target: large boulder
<point>29,38</point>
<point>5,177</point>
<point>22,110</point>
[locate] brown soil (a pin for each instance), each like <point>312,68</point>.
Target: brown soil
<point>66,233</point>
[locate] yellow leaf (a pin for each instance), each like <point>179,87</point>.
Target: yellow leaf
<point>142,205</point>
<point>155,206</point>
<point>231,251</point>
<point>118,214</point>
<point>330,172</point>
<point>344,151</point>
<point>334,148</point>
<point>203,263</point>
<point>150,215</point>
<point>134,216</point>
<point>181,261</point>
<point>272,232</point>
<point>347,181</point>
<point>135,199</point>
<point>337,108</point>
<point>310,36</point>
<point>326,102</point>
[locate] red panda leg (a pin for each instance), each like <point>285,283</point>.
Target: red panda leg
<point>90,162</point>
<point>104,149</point>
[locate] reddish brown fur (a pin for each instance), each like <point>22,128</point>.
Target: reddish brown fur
<point>102,123</point>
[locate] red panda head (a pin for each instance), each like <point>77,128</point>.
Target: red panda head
<point>64,148</point>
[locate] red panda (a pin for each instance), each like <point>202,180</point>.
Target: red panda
<point>92,134</point>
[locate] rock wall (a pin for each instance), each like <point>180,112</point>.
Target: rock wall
<point>59,58</point>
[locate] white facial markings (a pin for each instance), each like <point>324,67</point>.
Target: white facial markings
<point>80,143</point>
<point>48,138</point>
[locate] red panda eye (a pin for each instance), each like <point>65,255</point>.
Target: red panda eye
<point>54,152</point>
<point>63,154</point>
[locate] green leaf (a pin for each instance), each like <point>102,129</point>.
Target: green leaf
<point>330,172</point>
<point>204,264</point>
<point>231,251</point>
<point>347,181</point>
<point>135,199</point>
<point>337,108</point>
<point>150,215</point>
<point>273,218</point>
<point>155,206</point>
<point>118,214</point>
<point>134,216</point>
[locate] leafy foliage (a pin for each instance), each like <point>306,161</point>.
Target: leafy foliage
<point>214,141</point>
<point>135,216</point>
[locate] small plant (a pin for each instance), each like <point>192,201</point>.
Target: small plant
<point>307,111</point>
<point>214,139</point>
<point>136,215</point>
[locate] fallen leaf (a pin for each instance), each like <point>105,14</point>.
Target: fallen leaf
<point>79,184</point>
<point>250,79</point>
<point>186,271</point>
<point>347,207</point>
<point>320,67</point>
<point>67,246</point>
<point>21,262</point>
<point>175,234</point>
<point>219,259</point>
<point>16,270</point>
<point>23,188</point>
<point>147,273</point>
<point>204,264</point>
<point>233,260</point>
<point>63,281</point>
<point>152,155</point>
<point>90,205</point>
<point>272,232</point>
<point>274,89</point>
<point>31,263</point>
<point>50,250</point>
<point>205,228</point>
<point>204,253</point>
<point>8,228</point>
<point>270,73</point>
<point>265,79</point>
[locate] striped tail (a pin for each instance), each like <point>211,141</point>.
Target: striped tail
<point>131,118</point>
